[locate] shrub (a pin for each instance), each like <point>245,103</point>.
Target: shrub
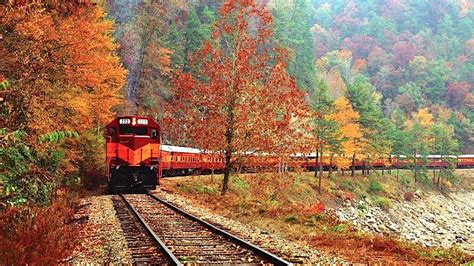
<point>240,184</point>
<point>318,217</point>
<point>28,175</point>
<point>382,202</point>
<point>338,228</point>
<point>206,189</point>
<point>36,236</point>
<point>348,196</point>
<point>317,208</point>
<point>404,180</point>
<point>347,185</point>
<point>374,187</point>
<point>291,218</point>
<point>362,207</point>
<point>92,165</point>
<point>408,196</point>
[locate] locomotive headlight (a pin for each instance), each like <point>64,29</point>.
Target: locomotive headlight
<point>124,121</point>
<point>134,121</point>
<point>142,121</point>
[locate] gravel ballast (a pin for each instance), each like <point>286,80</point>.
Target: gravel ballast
<point>103,241</point>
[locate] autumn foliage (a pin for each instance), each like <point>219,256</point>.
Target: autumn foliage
<point>64,76</point>
<point>36,236</point>
<point>62,66</point>
<point>242,101</point>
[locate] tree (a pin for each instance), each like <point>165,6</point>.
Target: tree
<point>143,29</point>
<point>239,103</point>
<point>439,75</point>
<point>403,53</point>
<point>445,145</point>
<point>456,94</point>
<point>347,138</point>
<point>61,81</point>
<point>65,76</point>
<point>420,140</point>
<point>373,124</point>
<point>184,38</point>
<point>414,92</point>
<point>293,30</point>
<point>323,129</point>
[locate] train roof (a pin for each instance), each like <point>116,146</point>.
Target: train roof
<point>466,156</point>
<point>170,148</point>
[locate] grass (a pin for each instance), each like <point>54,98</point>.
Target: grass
<point>374,186</point>
<point>347,185</point>
<point>382,202</point>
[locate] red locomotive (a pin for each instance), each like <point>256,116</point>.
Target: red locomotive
<point>136,159</point>
<point>133,153</point>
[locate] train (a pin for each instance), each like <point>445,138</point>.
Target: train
<point>136,159</point>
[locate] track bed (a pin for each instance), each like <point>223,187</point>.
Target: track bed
<point>189,240</point>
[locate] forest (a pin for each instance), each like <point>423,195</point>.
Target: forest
<point>352,79</point>
<point>347,79</point>
<point>373,78</point>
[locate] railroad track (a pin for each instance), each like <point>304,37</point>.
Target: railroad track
<point>181,238</point>
<point>143,247</point>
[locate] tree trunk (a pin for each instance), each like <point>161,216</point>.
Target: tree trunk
<point>415,166</point>
<point>316,163</point>
<point>320,169</point>
<point>321,166</point>
<point>353,165</point>
<point>439,177</point>
<point>330,166</point>
<point>227,170</point>
<point>390,164</point>
<point>229,136</point>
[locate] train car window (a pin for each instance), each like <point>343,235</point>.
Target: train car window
<point>140,131</point>
<point>125,130</point>
<point>154,133</point>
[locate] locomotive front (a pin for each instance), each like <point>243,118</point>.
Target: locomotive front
<point>132,153</point>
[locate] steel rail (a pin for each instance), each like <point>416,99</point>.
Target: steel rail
<point>270,257</point>
<point>171,258</point>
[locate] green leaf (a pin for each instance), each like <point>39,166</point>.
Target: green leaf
<point>55,137</point>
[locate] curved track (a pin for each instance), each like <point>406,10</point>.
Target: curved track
<point>187,239</point>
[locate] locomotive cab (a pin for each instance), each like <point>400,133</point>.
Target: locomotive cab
<point>133,154</point>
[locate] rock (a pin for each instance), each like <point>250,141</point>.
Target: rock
<point>393,227</point>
